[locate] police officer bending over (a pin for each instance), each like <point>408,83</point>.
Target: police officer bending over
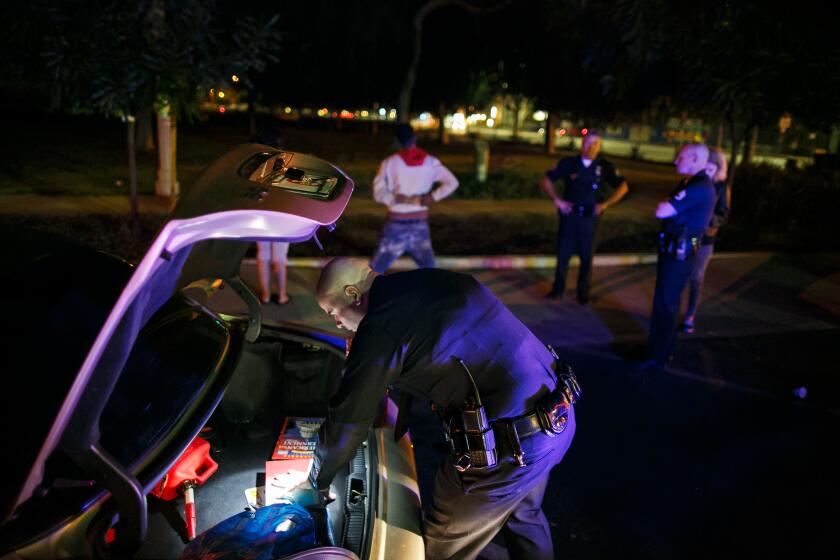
<point>684,219</point>
<point>504,399</point>
<point>586,179</point>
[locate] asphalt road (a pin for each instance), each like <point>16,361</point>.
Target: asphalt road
<point>715,458</point>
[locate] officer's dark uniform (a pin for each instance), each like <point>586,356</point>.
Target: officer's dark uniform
<point>584,187</point>
<point>679,237</point>
<point>418,325</point>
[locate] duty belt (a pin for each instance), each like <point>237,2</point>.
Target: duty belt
<point>476,448</point>
<point>584,210</point>
<point>679,247</point>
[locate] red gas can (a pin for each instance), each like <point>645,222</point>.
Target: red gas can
<point>192,469</point>
<point>194,465</point>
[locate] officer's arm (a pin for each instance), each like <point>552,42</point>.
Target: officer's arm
<point>548,187</point>
<point>371,367</point>
<point>616,197</point>
<point>547,184</point>
<point>618,183</point>
<point>665,210</point>
<point>382,186</point>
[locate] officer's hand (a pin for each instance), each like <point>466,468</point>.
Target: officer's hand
<point>325,497</point>
<point>599,208</point>
<point>564,205</point>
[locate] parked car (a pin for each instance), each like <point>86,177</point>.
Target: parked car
<point>113,370</point>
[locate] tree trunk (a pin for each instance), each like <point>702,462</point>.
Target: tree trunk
<point>482,159</point>
<point>374,126</point>
<point>132,176</point>
<point>834,139</point>
<point>443,134</point>
<point>733,151</point>
<point>145,140</point>
<point>516,109</point>
<point>167,181</point>
<point>719,140</point>
<point>750,142</point>
<point>551,126</point>
<point>404,102</point>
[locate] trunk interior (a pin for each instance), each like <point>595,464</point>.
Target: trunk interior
<point>282,374</point>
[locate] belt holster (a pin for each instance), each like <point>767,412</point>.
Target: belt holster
<point>553,409</point>
<point>471,438</point>
<point>680,247</point>
<point>469,433</point>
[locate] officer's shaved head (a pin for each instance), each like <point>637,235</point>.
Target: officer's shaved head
<point>342,291</point>
<point>341,272</point>
<point>590,146</point>
<point>692,159</point>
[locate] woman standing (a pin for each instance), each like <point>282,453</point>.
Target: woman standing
<point>717,170</point>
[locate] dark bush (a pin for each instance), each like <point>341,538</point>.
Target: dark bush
<point>509,183</point>
<point>799,205</point>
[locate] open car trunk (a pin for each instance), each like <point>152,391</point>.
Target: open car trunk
<point>287,372</point>
<point>128,369</point>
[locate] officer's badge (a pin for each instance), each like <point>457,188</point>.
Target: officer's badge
<point>680,195</point>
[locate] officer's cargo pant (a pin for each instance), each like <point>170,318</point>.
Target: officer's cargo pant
<point>576,234</point>
<point>468,509</point>
<point>671,277</point>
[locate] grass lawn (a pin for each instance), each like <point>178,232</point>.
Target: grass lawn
<point>60,155</point>
<point>55,155</point>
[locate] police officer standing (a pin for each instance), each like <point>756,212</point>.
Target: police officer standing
<point>503,398</point>
<point>685,217</point>
<point>584,200</point>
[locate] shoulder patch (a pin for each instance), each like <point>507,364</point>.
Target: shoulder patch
<point>680,195</point>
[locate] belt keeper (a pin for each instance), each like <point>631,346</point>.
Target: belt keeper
<point>515,444</point>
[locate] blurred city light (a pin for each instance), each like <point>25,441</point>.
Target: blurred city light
<point>540,115</point>
<point>221,94</point>
<point>234,78</point>
<point>456,122</point>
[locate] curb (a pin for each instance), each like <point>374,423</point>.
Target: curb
<point>506,262</point>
